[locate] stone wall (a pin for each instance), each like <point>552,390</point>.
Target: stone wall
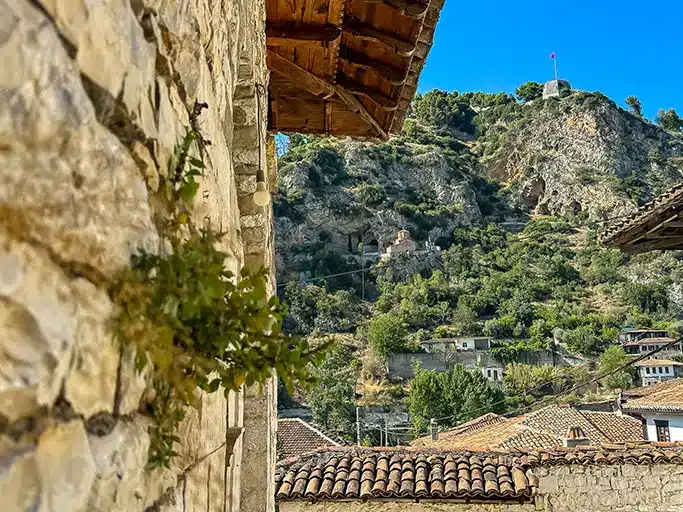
<point>618,488</point>
<point>94,97</point>
<point>402,365</point>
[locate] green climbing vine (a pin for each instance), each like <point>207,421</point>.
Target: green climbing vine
<point>193,321</point>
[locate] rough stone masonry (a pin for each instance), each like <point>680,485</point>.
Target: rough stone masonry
<point>94,97</point>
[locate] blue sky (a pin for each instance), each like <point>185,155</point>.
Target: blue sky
<point>619,47</point>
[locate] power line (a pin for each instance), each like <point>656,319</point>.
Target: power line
<point>572,389</point>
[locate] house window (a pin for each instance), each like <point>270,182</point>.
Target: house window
<point>647,370</point>
<point>495,374</point>
<point>662,427</point>
<point>488,373</point>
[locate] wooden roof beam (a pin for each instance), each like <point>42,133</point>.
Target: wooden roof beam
<point>360,60</point>
<point>369,33</point>
<point>301,35</point>
<point>319,87</point>
<point>384,101</point>
<point>411,8</point>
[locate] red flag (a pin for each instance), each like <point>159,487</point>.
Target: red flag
<point>552,55</point>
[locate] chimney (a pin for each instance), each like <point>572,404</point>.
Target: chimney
<point>434,429</point>
<point>574,437</point>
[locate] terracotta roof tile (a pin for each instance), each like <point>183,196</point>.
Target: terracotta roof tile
<point>671,199</point>
<point>423,473</point>
<point>665,396</point>
<point>297,437</point>
<point>542,429</point>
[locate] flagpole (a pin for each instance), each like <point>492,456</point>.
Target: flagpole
<point>555,65</point>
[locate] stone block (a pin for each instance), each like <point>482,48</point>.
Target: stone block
<point>65,468</point>
<point>19,483</point>
<point>252,221</point>
<point>548,484</point>
<point>85,201</point>
<point>37,328</point>
<point>205,484</point>
<point>120,474</point>
<point>203,429</point>
<point>91,383</point>
<point>132,383</point>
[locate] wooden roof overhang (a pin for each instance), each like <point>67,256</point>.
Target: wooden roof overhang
<point>346,67</point>
<point>655,225</point>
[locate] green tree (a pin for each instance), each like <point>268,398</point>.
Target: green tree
<point>669,119</point>
<point>452,397</point>
<point>387,334</point>
<point>610,360</point>
<point>465,320</point>
<point>529,91</point>
<point>635,106</point>
<point>332,398</point>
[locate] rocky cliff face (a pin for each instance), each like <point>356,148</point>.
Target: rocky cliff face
<point>579,157</point>
<point>337,194</point>
<point>582,155</point>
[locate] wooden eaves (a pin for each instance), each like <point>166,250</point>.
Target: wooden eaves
<point>655,225</point>
<point>346,67</point>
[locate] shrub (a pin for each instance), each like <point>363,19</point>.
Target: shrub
<point>456,396</point>
<point>529,91</point>
<point>669,119</point>
<point>387,334</point>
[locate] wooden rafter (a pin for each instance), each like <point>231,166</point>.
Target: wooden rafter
<point>369,33</point>
<point>299,76</point>
<point>384,101</point>
<point>356,59</point>
<point>301,35</point>
<point>412,8</point>
<point>320,87</point>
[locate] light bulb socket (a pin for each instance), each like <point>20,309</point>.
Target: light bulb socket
<point>261,195</point>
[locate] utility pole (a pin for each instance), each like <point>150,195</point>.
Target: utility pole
<point>357,427</point>
<point>362,270</point>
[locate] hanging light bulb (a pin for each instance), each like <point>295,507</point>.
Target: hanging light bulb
<point>261,195</point>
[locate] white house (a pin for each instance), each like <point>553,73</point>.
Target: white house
<point>493,373</point>
<point>654,371</point>
<point>660,407</point>
<point>643,340</point>
<point>464,343</point>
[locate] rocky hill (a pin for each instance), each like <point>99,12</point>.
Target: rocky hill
<point>513,194</point>
<point>581,155</point>
<point>465,160</point>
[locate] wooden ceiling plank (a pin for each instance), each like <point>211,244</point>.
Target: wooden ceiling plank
<point>301,35</point>
<point>359,109</point>
<point>299,76</point>
<point>357,59</point>
<point>370,33</point>
<point>384,101</point>
<point>319,87</point>
<point>411,8</point>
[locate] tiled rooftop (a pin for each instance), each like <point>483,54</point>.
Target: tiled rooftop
<point>296,437</point>
<point>542,429</point>
<point>671,199</point>
<point>665,396</point>
<point>658,362</point>
<point>410,473</point>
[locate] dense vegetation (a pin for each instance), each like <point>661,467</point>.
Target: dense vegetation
<point>529,281</point>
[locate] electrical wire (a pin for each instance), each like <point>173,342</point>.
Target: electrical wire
<point>521,409</point>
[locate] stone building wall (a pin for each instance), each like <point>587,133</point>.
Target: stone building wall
<point>94,97</point>
<point>625,488</point>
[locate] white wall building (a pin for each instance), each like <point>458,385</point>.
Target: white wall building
<point>660,407</point>
<point>464,343</point>
<point>654,371</point>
